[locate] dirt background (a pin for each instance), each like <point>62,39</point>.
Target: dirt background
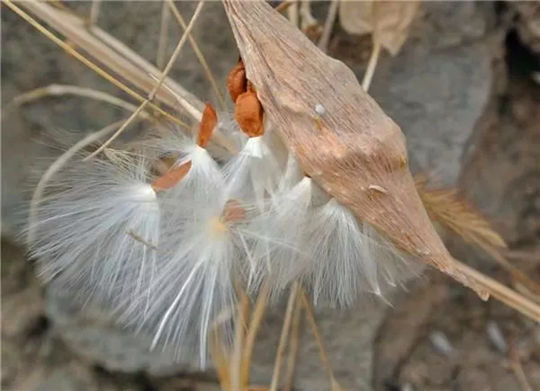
<point>465,90</point>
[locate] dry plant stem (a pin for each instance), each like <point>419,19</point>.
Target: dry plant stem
<point>328,25</point>
<point>502,293</point>
<point>111,53</point>
<point>199,54</point>
<point>236,359</point>
<point>163,35</point>
<point>85,61</point>
<point>517,368</point>
<point>254,326</point>
<point>156,88</point>
<point>318,339</point>
<point>55,167</point>
<point>283,337</point>
<point>292,12</point>
<point>372,64</point>
<point>293,345</point>
<point>63,89</point>
<point>94,12</point>
<point>220,359</point>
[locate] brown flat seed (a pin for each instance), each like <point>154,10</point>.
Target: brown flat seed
<point>171,177</point>
<point>207,125</point>
<point>236,81</point>
<point>248,112</point>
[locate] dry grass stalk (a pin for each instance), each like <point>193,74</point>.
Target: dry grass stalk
<point>163,35</point>
<point>74,29</point>
<point>86,61</point>
<point>284,336</point>
<point>160,82</point>
<point>453,213</point>
<point>294,344</point>
<point>94,12</point>
<point>117,57</point>
<point>62,90</point>
<point>328,25</point>
<point>199,54</point>
<point>310,316</point>
<point>355,147</point>
<point>253,329</point>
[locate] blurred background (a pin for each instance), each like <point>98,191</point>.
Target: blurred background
<point>465,89</point>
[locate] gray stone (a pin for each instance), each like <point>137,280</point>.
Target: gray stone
<point>439,86</point>
<point>93,335</point>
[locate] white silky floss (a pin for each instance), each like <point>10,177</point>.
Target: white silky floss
<point>97,229</point>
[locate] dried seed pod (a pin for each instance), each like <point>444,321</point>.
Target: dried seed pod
<point>207,125</point>
<point>236,80</point>
<point>356,146</point>
<point>248,112</point>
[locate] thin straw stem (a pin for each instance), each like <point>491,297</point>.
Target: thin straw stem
<point>199,54</point>
<point>65,89</point>
<point>372,64</point>
<point>254,326</point>
<point>502,293</point>
<point>107,76</point>
<point>163,35</point>
<point>162,78</point>
<point>283,337</point>
<point>328,25</point>
<point>293,345</point>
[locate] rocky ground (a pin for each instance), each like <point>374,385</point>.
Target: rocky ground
<point>463,90</point>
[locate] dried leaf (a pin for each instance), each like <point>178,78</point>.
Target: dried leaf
<point>389,21</point>
<point>356,17</point>
<point>349,149</point>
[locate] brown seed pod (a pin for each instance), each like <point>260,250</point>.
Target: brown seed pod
<point>236,80</point>
<point>248,112</point>
<point>356,150</point>
<point>207,125</point>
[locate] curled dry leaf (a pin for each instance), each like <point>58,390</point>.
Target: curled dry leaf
<point>389,21</point>
<point>355,145</point>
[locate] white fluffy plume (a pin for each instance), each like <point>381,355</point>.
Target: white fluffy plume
<point>98,228</point>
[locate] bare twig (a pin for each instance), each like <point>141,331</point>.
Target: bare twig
<point>328,25</point>
<point>199,54</point>
<point>372,64</point>
<point>156,88</point>
<point>283,337</point>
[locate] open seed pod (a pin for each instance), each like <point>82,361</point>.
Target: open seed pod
<point>340,136</point>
